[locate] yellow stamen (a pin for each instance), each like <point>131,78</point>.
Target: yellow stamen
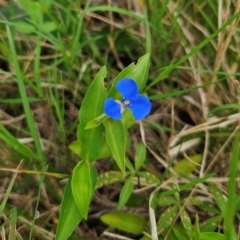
<point>126,102</point>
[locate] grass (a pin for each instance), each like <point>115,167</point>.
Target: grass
<point>49,55</point>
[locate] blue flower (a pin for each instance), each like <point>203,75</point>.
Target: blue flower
<point>138,104</point>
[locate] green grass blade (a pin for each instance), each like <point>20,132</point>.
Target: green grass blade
<point>6,195</point>
<point>168,69</point>
<point>74,49</point>
<point>13,223</point>
<point>37,67</point>
<point>186,186</point>
<point>115,9</point>
<point>229,215</point>
<point>26,106</point>
<point>6,136</point>
<point>41,179</point>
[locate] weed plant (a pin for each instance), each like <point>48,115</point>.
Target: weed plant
<point>69,171</point>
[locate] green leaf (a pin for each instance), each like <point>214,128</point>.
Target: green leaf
<point>23,93</point>
<point>125,193</point>
<point>229,216</point>
<point>7,192</point>
<point>75,147</point>
<point>70,216</point>
<point>14,143</point>
<point>218,197</point>
<point>115,136</point>
<point>150,177</point>
<point>172,66</point>
<point>129,165</point>
<point>196,230</point>
<point>14,217</point>
<point>109,178</point>
<point>94,178</point>
<point>186,167</point>
<point>166,219</point>
<point>166,201</point>
<point>140,155</point>
<point>186,222</point>
<point>124,221</point>
<point>49,26</point>
<point>211,224</point>
<point>172,236</point>
<point>137,72</point>
<point>208,207</point>
<point>136,200</point>
<point>32,8</point>
<point>24,27</point>
<point>92,106</point>
<point>97,121</point>
<point>212,236</point>
<point>82,187</point>
<point>193,200</point>
<point>224,107</point>
<point>35,8</point>
<point>186,186</point>
<point>180,232</point>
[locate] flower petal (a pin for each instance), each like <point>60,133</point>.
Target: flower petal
<point>140,108</point>
<point>112,109</point>
<point>128,88</point>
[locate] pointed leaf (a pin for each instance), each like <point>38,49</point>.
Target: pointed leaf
<point>129,165</point>
<point>166,219</point>
<point>212,236</point>
<point>186,222</point>
<point>70,216</point>
<point>115,136</point>
<point>180,232</point>
<point>92,107</point>
<point>125,193</point>
<point>97,121</point>
<point>196,230</point>
<point>140,155</point>
<point>211,224</point>
<point>124,221</point>
<point>14,217</point>
<point>82,187</point>
<point>209,207</point>
<point>218,197</point>
<point>137,72</point>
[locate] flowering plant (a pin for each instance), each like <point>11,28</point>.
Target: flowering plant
<point>100,138</point>
<point>138,104</point>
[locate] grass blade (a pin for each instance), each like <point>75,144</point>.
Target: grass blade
<point>22,90</point>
